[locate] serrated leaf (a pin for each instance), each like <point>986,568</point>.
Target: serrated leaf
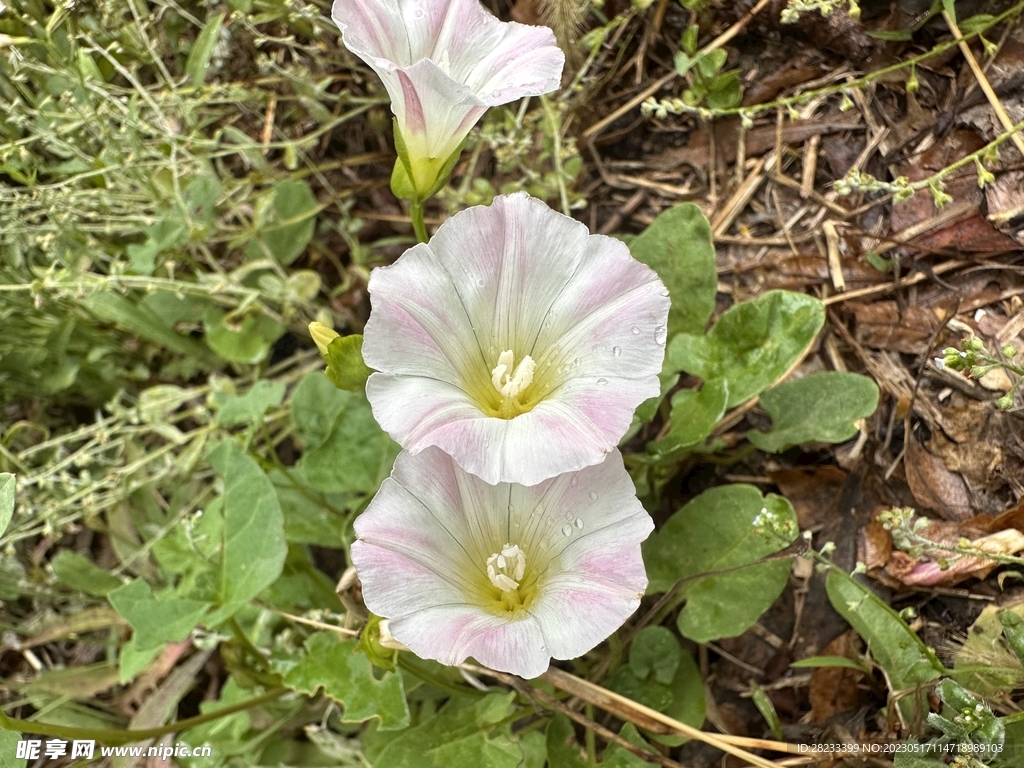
<point>906,660</point>
<point>819,407</point>
<point>202,49</point>
<point>347,677</point>
<point>677,245</point>
<point>752,344</point>
<point>713,532</point>
<point>8,484</point>
<point>80,572</point>
<point>345,367</point>
<point>285,222</point>
<point>249,408</point>
<point>254,545</point>
<point>155,621</point>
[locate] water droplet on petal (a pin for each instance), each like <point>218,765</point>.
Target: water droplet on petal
<point>566,529</point>
<point>602,381</point>
<point>480,282</point>
<point>616,351</point>
<point>660,334</point>
<point>593,495</point>
<point>579,523</point>
<point>636,330</point>
<point>575,481</point>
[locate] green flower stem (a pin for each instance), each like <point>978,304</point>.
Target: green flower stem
<point>416,214</point>
<point>117,737</point>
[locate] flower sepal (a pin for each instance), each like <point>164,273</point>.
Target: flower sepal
<point>372,643</point>
<point>343,356</point>
<point>419,179</point>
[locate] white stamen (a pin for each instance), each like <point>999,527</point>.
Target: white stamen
<point>508,382</point>
<point>505,569</point>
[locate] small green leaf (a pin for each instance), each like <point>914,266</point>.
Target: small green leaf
<point>620,757</point>
<point>202,49</point>
<point>752,344</point>
<point>249,408</point>
<point>718,530</point>
<point>819,407</point>
<point>813,662</point>
<point>81,573</point>
<point>347,677</point>
<point>254,547</point>
<point>155,621</point>
<point>8,484</point>
<point>345,367</point>
<point>767,709</point>
<point>9,748</point>
<point>160,237</point>
<point>906,660</point>
<point>677,245</point>
<point>656,651</point>
<point>563,749</point>
<point>247,341</point>
<point>694,415</point>
<point>285,222</point>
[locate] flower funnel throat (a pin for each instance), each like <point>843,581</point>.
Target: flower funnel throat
<point>443,63</point>
<point>515,341</point>
<point>508,574</point>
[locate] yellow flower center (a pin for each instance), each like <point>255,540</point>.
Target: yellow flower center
<point>513,589</point>
<point>511,382</point>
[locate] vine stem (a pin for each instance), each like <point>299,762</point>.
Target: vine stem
<point>418,225</point>
<point>117,737</point>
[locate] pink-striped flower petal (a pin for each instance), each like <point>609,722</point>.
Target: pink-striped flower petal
<point>515,341</point>
<point>510,575</point>
<point>443,63</point>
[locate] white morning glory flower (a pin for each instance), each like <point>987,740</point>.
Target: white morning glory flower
<point>515,341</point>
<point>443,63</point>
<point>508,574</point>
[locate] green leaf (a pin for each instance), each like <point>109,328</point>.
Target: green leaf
<point>563,749</point>
<point>247,341</point>
<point>812,662</point>
<point>346,451</point>
<point>906,660</point>
<point>138,320</point>
<point>677,245</point>
<point>9,748</point>
<point>202,50</point>
<point>155,621</point>
<point>347,677</point>
<point>767,709</point>
<point>254,544</point>
<point>752,344</point>
<point>8,484</point>
<point>688,703</point>
<point>345,367</point>
<point>694,415</point>
<point>718,530</point>
<point>285,222</point>
<point>249,408</point>
<point>656,651</point>
<point>819,407</point>
<point>460,731</point>
<point>620,757</point>
<point>160,237</point>
<point>81,573</point>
